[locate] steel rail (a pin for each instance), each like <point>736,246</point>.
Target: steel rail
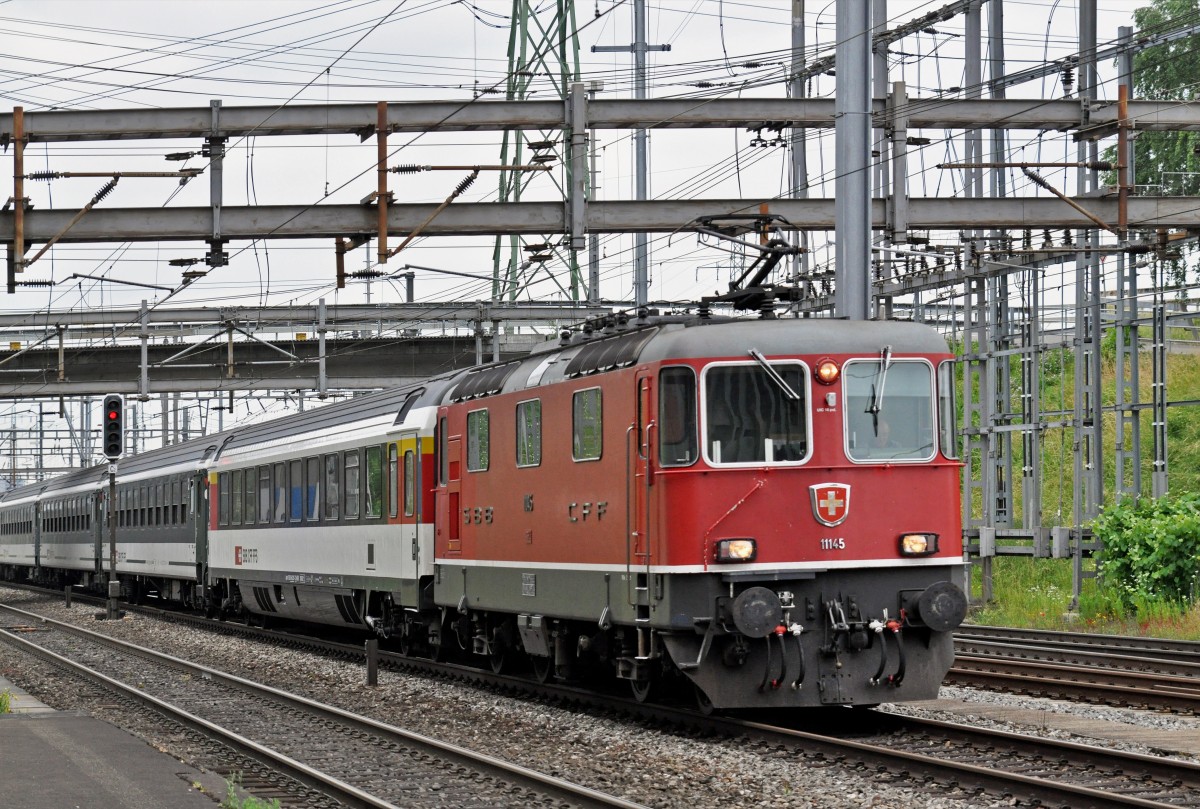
<point>531,779</point>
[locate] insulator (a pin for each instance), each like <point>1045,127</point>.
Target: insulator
<point>35,283</point>
<point>1068,80</point>
<point>465,184</point>
<point>43,175</point>
<point>105,191</point>
<point>410,168</point>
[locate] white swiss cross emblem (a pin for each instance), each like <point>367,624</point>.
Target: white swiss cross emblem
<point>830,502</point>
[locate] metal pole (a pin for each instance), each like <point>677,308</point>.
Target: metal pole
<point>114,586</point>
<point>372,651</point>
<point>799,156</point>
<point>641,246</point>
<point>852,134</point>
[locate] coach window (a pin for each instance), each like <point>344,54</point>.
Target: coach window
<point>755,415</point>
<point>374,507</point>
<point>225,491</point>
<point>280,500</point>
<point>677,444</point>
<point>529,433</point>
<point>251,497</point>
<point>410,482</point>
<point>239,495</point>
<point>264,494</point>
<point>586,425</point>
<point>312,503</point>
<point>477,441</point>
<point>393,480</point>
<point>333,491</point>
<point>296,490</point>
<point>889,411</point>
<point>353,485</point>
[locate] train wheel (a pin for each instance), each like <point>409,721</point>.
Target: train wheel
<point>498,657</point>
<point>543,668</point>
<point>643,690</point>
<point>703,704</point>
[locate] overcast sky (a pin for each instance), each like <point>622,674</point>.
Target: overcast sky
<point>89,54</point>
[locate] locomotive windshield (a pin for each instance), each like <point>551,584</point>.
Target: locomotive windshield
<point>897,425</point>
<point>751,418</point>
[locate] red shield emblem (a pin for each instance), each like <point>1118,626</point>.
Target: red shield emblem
<point>830,502</point>
<point>237,554</point>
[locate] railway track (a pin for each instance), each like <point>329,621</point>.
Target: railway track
<point>1113,670</point>
<point>353,760</point>
<point>949,758</point>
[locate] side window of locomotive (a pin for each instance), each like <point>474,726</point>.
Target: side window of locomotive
<point>443,456</point>
<point>586,425</point>
<point>333,487</point>
<point>889,414</point>
<point>393,480</point>
<point>239,495</point>
<point>410,482</point>
<point>225,492</point>
<point>529,433</point>
<point>312,492</point>
<point>353,487</point>
<point>947,410</point>
<point>752,416</point>
<point>677,444</point>
<point>374,481</point>
<point>477,441</point>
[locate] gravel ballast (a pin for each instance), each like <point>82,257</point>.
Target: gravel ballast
<point>649,766</point>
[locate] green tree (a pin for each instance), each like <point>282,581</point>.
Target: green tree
<point>1167,162</point>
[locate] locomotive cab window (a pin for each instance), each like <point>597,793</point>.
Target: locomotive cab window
<point>947,410</point>
<point>756,415</point>
<point>677,445</point>
<point>889,410</point>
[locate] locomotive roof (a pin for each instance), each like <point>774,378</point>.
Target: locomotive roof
<point>792,336</point>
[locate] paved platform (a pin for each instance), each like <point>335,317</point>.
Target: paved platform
<point>59,760</point>
<point>1171,740</point>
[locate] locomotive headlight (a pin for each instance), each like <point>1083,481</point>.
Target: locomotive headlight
<point>827,371</point>
<point>918,544</point>
<point>736,550</point>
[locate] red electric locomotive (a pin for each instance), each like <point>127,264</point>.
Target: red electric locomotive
<point>764,510</point>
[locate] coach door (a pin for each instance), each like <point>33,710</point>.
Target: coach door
<point>640,442</point>
<point>453,522</point>
<point>406,505</point>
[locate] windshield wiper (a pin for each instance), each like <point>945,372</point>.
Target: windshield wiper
<point>774,375</point>
<point>885,362</point>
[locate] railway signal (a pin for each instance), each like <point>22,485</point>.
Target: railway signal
<point>114,426</point>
